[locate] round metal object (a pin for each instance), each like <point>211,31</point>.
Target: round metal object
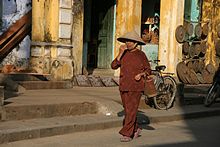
<point>203,47</point>
<point>189,29</point>
<point>190,64</point>
<point>197,49</point>
<point>198,31</point>
<point>185,48</point>
<point>182,69</point>
<point>193,77</point>
<point>192,50</point>
<point>205,29</point>
<point>201,65</point>
<point>217,47</point>
<point>200,78</point>
<point>180,34</point>
<point>210,68</point>
<point>207,76</point>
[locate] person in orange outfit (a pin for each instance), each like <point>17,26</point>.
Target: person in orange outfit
<point>133,65</point>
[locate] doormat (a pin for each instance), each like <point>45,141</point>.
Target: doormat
<point>83,80</point>
<point>108,82</point>
<point>95,81</point>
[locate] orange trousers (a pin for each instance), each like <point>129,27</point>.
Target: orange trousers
<point>130,101</point>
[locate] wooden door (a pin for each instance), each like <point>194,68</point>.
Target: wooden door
<point>105,35</point>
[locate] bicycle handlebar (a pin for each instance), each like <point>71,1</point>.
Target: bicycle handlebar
<point>154,61</point>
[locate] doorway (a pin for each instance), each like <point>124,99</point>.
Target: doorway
<point>150,28</point>
<point>98,34</point>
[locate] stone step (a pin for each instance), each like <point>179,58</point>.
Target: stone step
<point>200,89</point>
<point>103,72</point>
<point>28,77</point>
<point>30,111</point>
<point>29,85</point>
<point>192,94</point>
<point>194,98</point>
<point>60,102</point>
<point>44,127</point>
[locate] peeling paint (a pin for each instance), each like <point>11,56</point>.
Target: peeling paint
<point>77,10</point>
<point>77,36</point>
<point>14,10</point>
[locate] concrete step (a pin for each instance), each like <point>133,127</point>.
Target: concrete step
<point>29,85</point>
<point>22,108</point>
<point>102,72</point>
<point>192,94</point>
<point>31,111</point>
<point>27,77</point>
<point>36,128</point>
<point>46,103</point>
<point>194,98</point>
<point>200,89</point>
<point>44,127</point>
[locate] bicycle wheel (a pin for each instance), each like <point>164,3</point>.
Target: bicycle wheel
<point>212,95</point>
<point>166,93</point>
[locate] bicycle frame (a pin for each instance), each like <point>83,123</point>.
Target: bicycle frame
<point>166,88</point>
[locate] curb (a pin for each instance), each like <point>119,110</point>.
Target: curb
<point>38,128</point>
<point>191,115</point>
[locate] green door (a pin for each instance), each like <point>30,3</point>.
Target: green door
<point>105,35</point>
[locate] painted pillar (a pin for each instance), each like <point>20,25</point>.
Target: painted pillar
<point>51,24</point>
<point>77,35</point>
<point>170,51</point>
<point>128,17</point>
<point>38,20</point>
<point>45,27</point>
<point>51,20</point>
<point>45,14</point>
<point>51,51</point>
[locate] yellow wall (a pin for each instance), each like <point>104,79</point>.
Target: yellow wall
<point>45,14</point>
<point>170,51</point>
<point>37,20</point>
<point>211,15</point>
<point>51,20</point>
<point>128,17</point>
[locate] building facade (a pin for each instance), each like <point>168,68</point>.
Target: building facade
<point>71,35</point>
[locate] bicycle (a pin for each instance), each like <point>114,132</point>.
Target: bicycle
<point>166,88</point>
<point>213,92</point>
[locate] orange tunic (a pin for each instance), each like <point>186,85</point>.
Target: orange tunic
<point>131,64</point>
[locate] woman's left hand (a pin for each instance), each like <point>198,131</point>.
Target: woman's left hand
<point>137,77</point>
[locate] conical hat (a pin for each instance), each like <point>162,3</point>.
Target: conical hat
<point>132,36</point>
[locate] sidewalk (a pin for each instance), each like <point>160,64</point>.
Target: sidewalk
<point>41,113</point>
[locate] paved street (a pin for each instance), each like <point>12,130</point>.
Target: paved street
<point>201,132</point>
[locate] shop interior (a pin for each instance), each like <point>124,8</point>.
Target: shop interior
<point>150,22</point>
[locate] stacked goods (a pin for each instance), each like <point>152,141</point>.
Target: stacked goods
<point>192,70</point>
